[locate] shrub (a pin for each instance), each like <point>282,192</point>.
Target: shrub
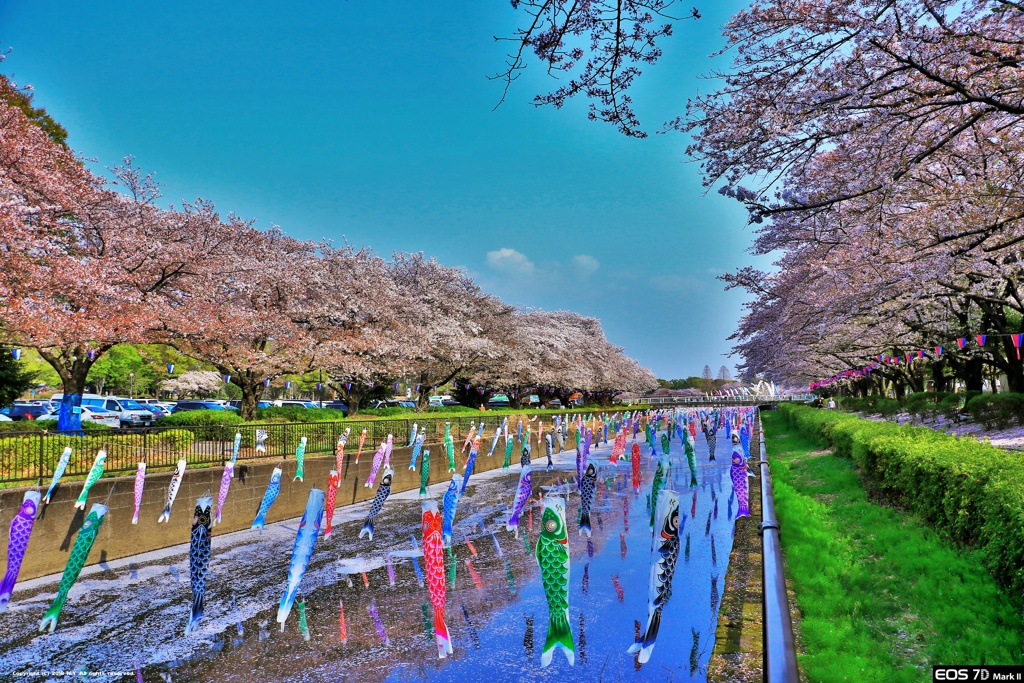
<point>997,409</point>
<point>385,412</point>
<point>924,404</point>
<point>971,492</point>
<point>887,407</point>
<point>217,424</point>
<point>48,425</point>
<point>951,405</point>
<point>299,414</point>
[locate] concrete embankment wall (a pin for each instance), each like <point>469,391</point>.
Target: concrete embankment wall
<point>57,524</point>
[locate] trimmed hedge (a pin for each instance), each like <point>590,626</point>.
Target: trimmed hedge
<point>997,410</point>
<point>971,492</point>
<point>48,425</point>
<point>299,414</point>
<point>217,423</point>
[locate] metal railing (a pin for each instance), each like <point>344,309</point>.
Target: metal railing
<point>780,664</point>
<point>30,457</point>
<point>717,400</point>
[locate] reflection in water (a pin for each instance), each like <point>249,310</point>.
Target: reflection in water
<point>264,631</point>
<point>418,570</point>
<point>583,640</point>
<point>590,548</point>
<point>694,651</point>
<point>586,578</point>
<point>342,626</point>
<point>378,625</point>
<point>391,569</point>
<point>300,604</point>
<point>510,577</point>
<point>528,637</point>
<point>707,527</point>
<point>497,548</point>
<point>428,624</point>
<point>636,639</point>
<point>477,581</point>
<point>687,554</point>
<point>714,555</point>
<point>621,594</point>
<point>473,635</point>
<point>714,592</point>
<point>622,545</point>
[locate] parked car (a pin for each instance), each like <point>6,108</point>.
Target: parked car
<point>182,406</point>
<point>336,405</point>
<point>385,404</point>
<point>555,404</point>
<point>98,415</point>
<point>498,402</point>
<point>4,418</point>
<point>25,412</point>
<point>131,413</point>
<point>236,404</point>
<point>284,403</point>
<point>154,406</point>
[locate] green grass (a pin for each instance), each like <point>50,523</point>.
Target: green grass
<point>882,597</point>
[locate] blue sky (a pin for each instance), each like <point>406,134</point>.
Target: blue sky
<point>372,122</point>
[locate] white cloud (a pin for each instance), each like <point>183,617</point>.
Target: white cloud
<point>585,264</point>
<point>510,261</point>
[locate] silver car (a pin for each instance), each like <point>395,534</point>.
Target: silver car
<point>131,413</point>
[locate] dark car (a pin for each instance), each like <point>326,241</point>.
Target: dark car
<point>23,412</point>
<point>498,403</point>
<point>336,405</point>
<point>182,406</point>
<point>386,404</point>
<point>450,402</point>
<point>555,404</point>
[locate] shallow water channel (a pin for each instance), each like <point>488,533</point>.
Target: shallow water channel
<point>130,617</point>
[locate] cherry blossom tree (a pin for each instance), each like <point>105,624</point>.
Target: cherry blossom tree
<point>250,317</point>
<point>450,324</point>
<point>601,44</point>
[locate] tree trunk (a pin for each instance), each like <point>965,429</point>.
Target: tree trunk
<point>972,374</point>
<point>939,375</point>
<point>353,397</point>
<point>250,397</point>
<point>72,367</point>
<point>515,399</point>
<point>423,395</point>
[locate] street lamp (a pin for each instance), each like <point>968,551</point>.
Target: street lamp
<point>131,379</point>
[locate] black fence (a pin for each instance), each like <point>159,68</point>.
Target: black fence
<point>30,457</point>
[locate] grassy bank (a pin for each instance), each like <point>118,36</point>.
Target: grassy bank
<point>882,596</point>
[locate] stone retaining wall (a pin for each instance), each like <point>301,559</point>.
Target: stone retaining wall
<point>57,524</point>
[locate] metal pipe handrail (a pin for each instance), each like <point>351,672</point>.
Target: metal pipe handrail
<point>780,665</point>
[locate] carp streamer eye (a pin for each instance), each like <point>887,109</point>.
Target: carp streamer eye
<point>551,525</point>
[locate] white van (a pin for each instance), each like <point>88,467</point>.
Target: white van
<point>131,413</point>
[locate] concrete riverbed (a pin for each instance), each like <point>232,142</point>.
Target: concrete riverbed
<point>127,617</point>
